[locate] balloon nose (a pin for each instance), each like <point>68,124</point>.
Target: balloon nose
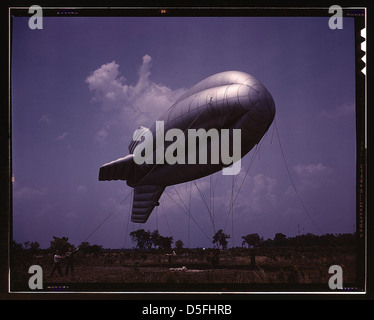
<point>259,103</point>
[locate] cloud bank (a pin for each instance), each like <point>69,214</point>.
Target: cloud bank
<point>346,109</point>
<point>135,105</point>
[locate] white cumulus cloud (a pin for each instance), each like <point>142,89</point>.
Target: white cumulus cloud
<point>313,175</point>
<point>307,170</point>
<point>28,193</point>
<point>145,97</point>
<point>62,136</point>
<point>342,110</point>
<point>101,136</point>
<point>46,118</point>
<point>81,188</point>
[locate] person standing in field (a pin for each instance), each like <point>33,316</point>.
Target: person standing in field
<point>57,264</point>
<point>69,256</point>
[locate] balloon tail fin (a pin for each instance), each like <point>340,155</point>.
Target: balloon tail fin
<point>145,199</point>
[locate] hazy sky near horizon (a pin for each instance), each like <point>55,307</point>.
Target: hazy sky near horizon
<point>82,85</point>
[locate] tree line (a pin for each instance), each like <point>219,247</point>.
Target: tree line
<point>62,245</point>
<point>147,240</point>
<point>303,240</point>
<point>253,240</point>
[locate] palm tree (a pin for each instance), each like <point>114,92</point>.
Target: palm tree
<point>221,238</point>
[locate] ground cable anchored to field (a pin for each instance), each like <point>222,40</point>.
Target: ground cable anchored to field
<point>110,214</point>
<point>292,182</point>
<point>296,192</point>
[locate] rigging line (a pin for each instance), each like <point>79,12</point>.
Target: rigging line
<point>139,183</point>
<point>189,217</point>
<point>272,135</point>
<point>252,160</point>
<point>232,210</point>
<point>292,182</point>
<point>259,151</point>
<point>206,205</point>
<point>212,197</point>
<point>166,220</point>
<point>188,209</point>
<point>210,194</point>
<point>217,174</point>
<point>189,214</point>
<point>183,210</point>
<point>214,184</point>
<point>230,207</point>
<point>156,218</point>
<point>190,199</point>
<point>114,210</point>
<point>211,200</point>
<point>241,185</point>
<point>180,198</point>
<point>128,222</point>
<point>298,195</point>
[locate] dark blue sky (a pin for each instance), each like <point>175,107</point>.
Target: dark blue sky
<point>81,86</point>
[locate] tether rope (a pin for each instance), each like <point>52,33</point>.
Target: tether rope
<point>188,214</point>
<point>110,214</point>
<point>292,182</point>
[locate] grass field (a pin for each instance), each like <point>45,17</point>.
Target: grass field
<point>273,266</point>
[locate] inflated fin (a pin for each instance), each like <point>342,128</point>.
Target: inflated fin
<point>119,169</point>
<point>145,199</point>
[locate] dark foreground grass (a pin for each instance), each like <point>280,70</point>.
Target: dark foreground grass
<point>291,266</point>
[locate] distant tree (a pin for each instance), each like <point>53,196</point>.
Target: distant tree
<point>280,239</point>
<point>344,239</point>
<point>146,239</point>
<point>252,240</point>
<point>60,244</point>
<point>85,247</point>
<point>221,238</point>
<point>32,246</point>
<point>179,245</point>
<point>309,239</point>
<point>165,242</point>
<point>26,245</point>
<point>141,238</point>
<point>95,249</point>
<point>16,246</point>
<point>154,239</point>
<point>16,252</point>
